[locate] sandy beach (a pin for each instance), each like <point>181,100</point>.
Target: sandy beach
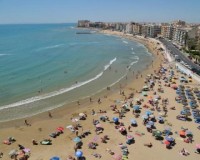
<point>63,145</point>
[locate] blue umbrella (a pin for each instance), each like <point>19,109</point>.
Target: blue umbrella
<point>136,107</point>
<point>160,118</point>
<point>79,154</point>
<point>148,113</point>
<point>133,121</point>
<point>148,126</point>
<point>170,139</point>
<point>145,117</point>
<point>115,119</point>
<point>77,140</point>
<point>55,158</point>
<point>151,123</point>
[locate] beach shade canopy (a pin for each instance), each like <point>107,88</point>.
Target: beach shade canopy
<point>198,146</point>
<point>174,86</point>
<point>145,117</point>
<point>189,133</point>
<point>77,140</point>
<point>151,123</point>
<point>55,158</point>
<point>166,142</point>
<point>98,125</point>
<point>117,156</point>
<point>148,112</point>
<point>169,138</point>
<point>129,137</point>
<point>79,154</point>
<point>182,133</point>
<point>157,133</point>
<point>60,129</point>
<point>136,107</point>
<point>12,153</point>
<point>133,121</point>
<point>115,119</point>
<point>185,112</point>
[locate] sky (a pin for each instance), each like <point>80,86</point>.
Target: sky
<point>69,11</point>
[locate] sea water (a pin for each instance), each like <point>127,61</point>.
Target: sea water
<point>43,66</point>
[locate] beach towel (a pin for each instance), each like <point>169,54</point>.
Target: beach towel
<point>139,133</point>
<point>71,128</point>
<point>75,119</point>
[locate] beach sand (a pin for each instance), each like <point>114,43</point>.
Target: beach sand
<point>42,125</point>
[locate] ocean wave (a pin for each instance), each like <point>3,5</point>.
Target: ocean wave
<point>133,53</point>
<point>125,42</point>
<point>110,63</point>
<point>56,93</point>
<point>5,54</point>
<point>135,57</point>
<point>50,47</point>
<point>134,62</point>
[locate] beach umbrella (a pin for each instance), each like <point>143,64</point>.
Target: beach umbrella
<point>12,153</point>
<point>122,128</point>
<point>136,107</point>
<point>129,137</point>
<point>133,121</point>
<point>157,133</point>
<point>160,118</point>
<point>166,142</point>
<point>145,117</point>
<point>81,114</point>
<point>148,126</point>
<point>169,138</point>
<point>26,150</point>
<point>60,129</point>
<point>182,133</point>
<point>148,112</point>
<point>144,93</point>
<point>167,128</point>
<point>117,156</point>
<point>189,133</point>
<point>174,86</point>
<point>151,123</point>
<point>198,146</point>
<point>79,154</point>
<point>115,119</point>
<point>77,140</point>
<point>98,125</point>
<point>55,158</point>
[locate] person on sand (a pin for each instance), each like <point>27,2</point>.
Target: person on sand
<point>26,123</point>
<point>1,154</point>
<point>184,152</point>
<point>129,128</point>
<point>99,100</point>
<point>148,144</point>
<point>70,158</point>
<point>50,115</point>
<point>34,142</point>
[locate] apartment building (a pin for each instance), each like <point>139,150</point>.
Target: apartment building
<point>167,31</point>
<point>83,23</point>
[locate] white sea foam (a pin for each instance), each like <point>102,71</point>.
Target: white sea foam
<point>56,93</point>
<point>133,53</point>
<point>135,57</point>
<point>5,54</point>
<point>125,42</point>
<point>132,49</point>
<point>110,63</point>
<point>50,47</point>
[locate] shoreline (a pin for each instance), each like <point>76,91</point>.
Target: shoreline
<point>72,107</point>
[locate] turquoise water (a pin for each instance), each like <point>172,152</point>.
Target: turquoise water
<point>45,66</point>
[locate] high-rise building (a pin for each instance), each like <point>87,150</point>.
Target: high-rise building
<point>83,23</point>
<point>167,31</point>
<point>137,29</point>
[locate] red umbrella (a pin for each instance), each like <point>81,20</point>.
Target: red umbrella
<point>182,133</point>
<point>166,142</point>
<point>198,146</point>
<point>98,125</point>
<point>117,156</point>
<point>129,137</point>
<point>122,128</point>
<point>60,129</point>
